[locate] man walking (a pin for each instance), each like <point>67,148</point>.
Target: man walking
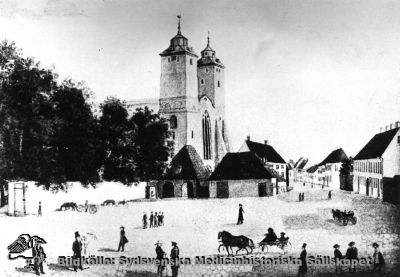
<point>122,240</point>
<point>155,218</point>
<point>77,249</point>
<point>299,196</point>
<point>338,258</point>
<point>379,261</point>
<point>159,219</point>
<point>38,256</point>
<point>40,209</point>
<point>303,257</point>
<point>240,216</point>
<point>151,219</point>
<point>330,195</point>
<point>174,259</point>
<point>352,255</point>
<point>162,219</point>
<point>159,257</point>
<point>144,220</point>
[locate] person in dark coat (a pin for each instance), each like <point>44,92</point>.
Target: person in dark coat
<point>40,209</point>
<point>77,249</point>
<point>240,216</point>
<point>159,219</point>
<point>269,238</point>
<point>39,257</point>
<point>379,261</point>
<point>151,219</point>
<point>122,239</point>
<point>302,196</point>
<point>174,259</point>
<point>160,255</point>
<point>303,257</point>
<point>352,254</point>
<point>299,196</point>
<point>162,218</point>
<point>330,195</point>
<point>144,220</point>
<point>338,257</point>
<point>86,205</point>
<point>155,220</point>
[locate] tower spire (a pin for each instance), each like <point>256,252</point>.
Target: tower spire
<point>208,39</point>
<point>179,24</point>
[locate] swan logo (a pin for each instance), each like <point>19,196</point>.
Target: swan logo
<point>27,247</point>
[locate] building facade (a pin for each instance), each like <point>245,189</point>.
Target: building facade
<point>379,158</point>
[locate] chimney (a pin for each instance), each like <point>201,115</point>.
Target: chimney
<point>381,130</point>
<point>397,124</point>
<point>386,128</point>
<point>266,142</point>
<point>391,126</point>
<point>248,138</point>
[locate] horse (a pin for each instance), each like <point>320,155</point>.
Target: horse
<point>69,205</point>
<point>228,240</point>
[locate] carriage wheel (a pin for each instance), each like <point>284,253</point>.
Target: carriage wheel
<point>92,209</point>
<point>345,222</point>
<point>81,208</point>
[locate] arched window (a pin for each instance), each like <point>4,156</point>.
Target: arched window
<point>206,136</point>
<point>173,122</point>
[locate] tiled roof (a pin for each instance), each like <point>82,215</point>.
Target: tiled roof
<point>241,166</point>
<point>377,145</point>
<point>265,151</point>
<point>337,156</point>
<point>187,165</point>
<point>313,169</point>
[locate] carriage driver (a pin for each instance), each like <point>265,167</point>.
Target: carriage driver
<point>282,238</point>
<point>270,236</point>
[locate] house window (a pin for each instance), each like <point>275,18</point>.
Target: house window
<point>206,70</point>
<point>191,61</point>
<point>192,134</point>
<point>282,167</point>
<point>219,83</point>
<point>169,59</point>
<point>173,58</point>
<point>177,59</point>
<point>202,81</point>
<point>277,167</point>
<point>206,136</point>
<point>173,122</point>
<point>398,139</point>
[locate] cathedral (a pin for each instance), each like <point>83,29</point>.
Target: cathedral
<point>192,99</point>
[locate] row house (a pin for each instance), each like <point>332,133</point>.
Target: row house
<point>379,158</point>
<point>329,169</point>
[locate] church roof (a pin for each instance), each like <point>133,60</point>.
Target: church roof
<point>377,145</point>
<point>264,151</point>
<point>336,156</point>
<point>241,166</point>
<point>187,165</point>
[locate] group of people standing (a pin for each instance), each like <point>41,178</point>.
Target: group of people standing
<point>154,220</point>
<point>301,196</point>
<point>174,256</point>
<point>351,254</point>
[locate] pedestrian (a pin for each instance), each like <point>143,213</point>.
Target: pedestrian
<point>144,220</point>
<point>40,209</point>
<point>160,254</point>
<point>240,216</point>
<point>299,196</point>
<point>329,194</point>
<point>338,257</point>
<point>159,219</point>
<point>122,239</point>
<point>151,219</point>
<point>38,256</point>
<point>352,255</point>
<point>174,259</point>
<point>155,218</point>
<point>86,205</point>
<point>303,257</point>
<point>379,261</point>
<point>302,196</point>
<point>162,218</point>
<point>77,249</point>
<point>304,184</point>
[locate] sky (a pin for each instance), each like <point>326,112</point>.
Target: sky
<point>308,76</point>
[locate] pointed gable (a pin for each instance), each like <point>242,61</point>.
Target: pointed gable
<point>336,156</point>
<point>187,165</point>
<point>263,151</point>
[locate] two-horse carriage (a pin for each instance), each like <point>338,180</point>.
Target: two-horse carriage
<point>344,217</point>
<point>91,208</point>
<point>244,243</point>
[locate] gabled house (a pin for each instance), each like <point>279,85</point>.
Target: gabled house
<point>379,158</point>
<point>243,174</point>
<point>268,155</point>
<point>330,168</point>
<point>186,177</point>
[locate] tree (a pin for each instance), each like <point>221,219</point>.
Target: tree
<point>117,135</point>
<point>346,171</point>
<point>152,144</point>
<point>76,131</point>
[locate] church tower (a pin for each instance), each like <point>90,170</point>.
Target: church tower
<point>211,82</point>
<point>178,90</point>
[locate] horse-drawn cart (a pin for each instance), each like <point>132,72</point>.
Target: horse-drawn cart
<point>344,217</point>
<point>284,245</point>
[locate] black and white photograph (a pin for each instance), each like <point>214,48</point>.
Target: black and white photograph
<point>204,138</point>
